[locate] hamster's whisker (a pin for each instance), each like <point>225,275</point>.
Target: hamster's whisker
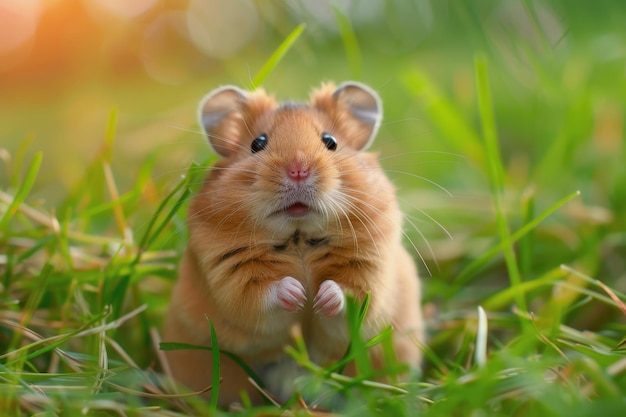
<point>365,220</point>
<point>346,157</point>
<point>352,229</point>
<point>417,251</point>
<point>226,141</point>
<point>420,177</point>
<point>253,241</point>
<point>410,174</point>
<point>245,123</point>
<point>235,169</point>
<point>431,218</point>
<point>336,216</point>
<point>186,129</point>
<point>368,205</point>
<point>211,210</point>
<point>398,155</point>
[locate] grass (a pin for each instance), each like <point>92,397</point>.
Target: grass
<point>515,149</point>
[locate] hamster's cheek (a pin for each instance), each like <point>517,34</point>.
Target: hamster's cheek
<point>328,178</point>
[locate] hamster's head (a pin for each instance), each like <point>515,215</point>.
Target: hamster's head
<point>289,165</point>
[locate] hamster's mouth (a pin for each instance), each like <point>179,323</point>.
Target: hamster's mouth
<point>297,210</point>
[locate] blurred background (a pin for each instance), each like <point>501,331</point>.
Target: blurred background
<point>556,70</point>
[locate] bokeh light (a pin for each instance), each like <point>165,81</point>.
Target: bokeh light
<point>120,8</point>
<point>18,22</point>
<point>165,49</point>
<point>18,25</point>
<point>220,28</point>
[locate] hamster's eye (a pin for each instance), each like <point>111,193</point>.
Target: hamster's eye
<point>329,141</point>
<point>259,143</point>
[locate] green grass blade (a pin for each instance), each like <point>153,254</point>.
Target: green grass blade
<point>276,57</point>
<point>444,115</point>
<point>108,205</point>
<point>192,174</point>
<point>36,248</point>
<point>488,123</point>
<point>358,350</point>
<point>23,190</point>
<point>506,296</point>
<point>18,160</point>
<point>244,366</point>
<point>119,281</point>
<point>173,210</point>
<point>116,297</point>
<point>365,305</point>
<point>350,43</point>
<point>496,174</point>
<point>215,374</point>
<point>593,281</point>
<point>149,235</point>
<point>48,344</point>
<point>483,260</point>
<point>385,334</point>
<point>385,339</point>
<point>526,243</point>
<point>356,326</point>
<point>30,308</point>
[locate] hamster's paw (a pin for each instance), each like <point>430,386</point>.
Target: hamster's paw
<point>329,300</point>
<point>287,293</point>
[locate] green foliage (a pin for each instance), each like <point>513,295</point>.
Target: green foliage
<point>278,54</point>
<point>504,128</point>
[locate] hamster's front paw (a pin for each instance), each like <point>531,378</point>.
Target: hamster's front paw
<point>329,300</point>
<point>288,293</point>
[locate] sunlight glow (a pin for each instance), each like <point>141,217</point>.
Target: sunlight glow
<point>220,28</point>
<point>18,23</point>
<point>121,8</point>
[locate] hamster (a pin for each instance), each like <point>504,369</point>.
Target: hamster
<point>294,216</point>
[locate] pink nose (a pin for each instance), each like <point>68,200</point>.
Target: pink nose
<point>298,172</point>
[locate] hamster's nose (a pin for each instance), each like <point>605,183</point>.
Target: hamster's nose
<point>298,172</point>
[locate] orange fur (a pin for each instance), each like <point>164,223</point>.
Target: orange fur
<point>243,243</point>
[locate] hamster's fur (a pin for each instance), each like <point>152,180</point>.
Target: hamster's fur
<point>287,222</point>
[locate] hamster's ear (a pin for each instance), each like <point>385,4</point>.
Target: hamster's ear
<point>218,114</point>
<point>354,107</point>
<point>227,114</point>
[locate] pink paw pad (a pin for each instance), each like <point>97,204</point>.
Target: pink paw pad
<point>288,293</point>
<point>329,300</point>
